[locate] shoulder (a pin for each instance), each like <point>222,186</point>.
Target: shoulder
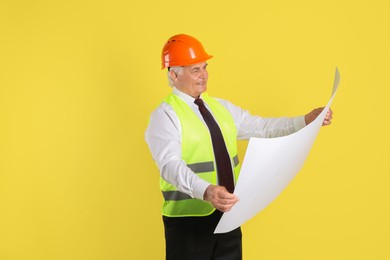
<point>163,110</point>
<point>228,105</point>
<point>162,121</point>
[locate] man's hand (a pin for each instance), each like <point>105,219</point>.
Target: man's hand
<point>220,198</point>
<point>315,112</point>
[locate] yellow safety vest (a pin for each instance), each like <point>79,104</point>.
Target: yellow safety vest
<point>197,152</point>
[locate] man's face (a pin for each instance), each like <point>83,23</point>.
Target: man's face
<point>193,80</point>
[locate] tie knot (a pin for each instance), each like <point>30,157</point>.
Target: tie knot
<point>199,102</point>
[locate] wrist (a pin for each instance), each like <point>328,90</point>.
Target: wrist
<point>208,192</point>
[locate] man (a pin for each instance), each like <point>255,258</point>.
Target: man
<point>193,139</point>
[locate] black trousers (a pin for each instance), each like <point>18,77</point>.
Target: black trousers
<point>192,238</point>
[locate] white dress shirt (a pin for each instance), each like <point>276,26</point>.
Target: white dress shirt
<point>163,136</point>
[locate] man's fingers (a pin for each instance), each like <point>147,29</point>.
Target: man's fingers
<point>227,196</point>
<point>225,203</point>
<point>328,118</point>
<point>221,201</point>
<point>220,198</point>
<point>224,207</point>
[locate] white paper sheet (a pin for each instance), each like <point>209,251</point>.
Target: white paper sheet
<point>269,165</point>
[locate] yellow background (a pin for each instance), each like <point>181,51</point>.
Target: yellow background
<point>79,79</point>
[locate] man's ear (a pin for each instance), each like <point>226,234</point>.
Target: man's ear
<point>173,75</point>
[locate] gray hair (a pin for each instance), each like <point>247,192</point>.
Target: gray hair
<point>177,70</point>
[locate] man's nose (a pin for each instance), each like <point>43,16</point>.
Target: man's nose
<point>203,74</point>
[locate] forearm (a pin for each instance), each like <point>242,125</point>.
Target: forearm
<point>249,125</point>
<point>254,126</point>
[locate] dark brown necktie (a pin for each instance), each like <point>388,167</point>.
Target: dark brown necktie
<point>222,159</point>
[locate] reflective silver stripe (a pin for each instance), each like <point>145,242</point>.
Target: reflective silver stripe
<point>235,160</point>
<point>197,168</point>
<point>201,167</point>
<point>175,195</point>
<point>208,166</point>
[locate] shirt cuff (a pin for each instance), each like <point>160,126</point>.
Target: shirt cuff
<point>299,122</point>
<point>200,187</point>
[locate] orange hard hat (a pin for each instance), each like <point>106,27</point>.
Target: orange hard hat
<point>183,50</point>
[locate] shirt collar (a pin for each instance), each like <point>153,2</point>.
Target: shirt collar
<point>187,98</point>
